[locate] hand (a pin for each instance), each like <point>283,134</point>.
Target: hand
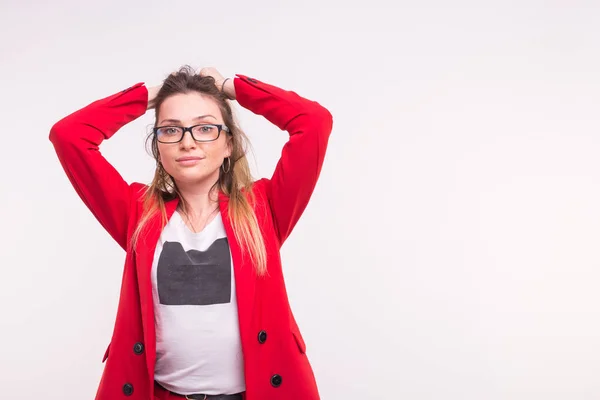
<point>228,89</point>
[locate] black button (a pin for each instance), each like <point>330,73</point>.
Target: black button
<point>138,348</point>
<point>262,337</point>
<point>276,380</point>
<point>128,389</point>
<point>252,80</point>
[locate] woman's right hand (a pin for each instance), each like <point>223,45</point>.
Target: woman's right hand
<point>223,84</point>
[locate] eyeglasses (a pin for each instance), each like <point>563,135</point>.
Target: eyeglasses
<point>200,133</point>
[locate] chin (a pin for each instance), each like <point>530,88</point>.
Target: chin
<point>194,176</point>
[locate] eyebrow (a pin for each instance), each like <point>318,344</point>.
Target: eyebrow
<point>176,121</point>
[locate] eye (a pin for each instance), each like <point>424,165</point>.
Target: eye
<point>206,128</point>
<point>171,130</point>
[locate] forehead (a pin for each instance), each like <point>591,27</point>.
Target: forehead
<point>187,107</point>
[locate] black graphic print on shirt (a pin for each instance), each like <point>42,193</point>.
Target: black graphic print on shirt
<point>194,277</point>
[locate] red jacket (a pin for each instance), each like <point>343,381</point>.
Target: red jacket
<point>277,368</point>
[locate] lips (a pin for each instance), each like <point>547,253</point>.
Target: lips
<point>189,158</point>
<point>189,161</point>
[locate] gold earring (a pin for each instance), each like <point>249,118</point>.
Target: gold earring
<point>228,165</point>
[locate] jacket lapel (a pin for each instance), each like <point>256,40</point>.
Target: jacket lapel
<point>145,256</point>
<point>245,276</point>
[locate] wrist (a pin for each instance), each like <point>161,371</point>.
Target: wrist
<point>228,88</point>
<point>152,92</point>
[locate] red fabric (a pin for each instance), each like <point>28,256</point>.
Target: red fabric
<point>262,302</point>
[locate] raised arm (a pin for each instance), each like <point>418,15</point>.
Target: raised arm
<point>76,139</point>
<point>309,125</point>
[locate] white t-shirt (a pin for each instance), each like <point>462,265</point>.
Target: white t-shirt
<point>198,346</point>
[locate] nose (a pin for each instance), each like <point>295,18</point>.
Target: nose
<point>187,142</point>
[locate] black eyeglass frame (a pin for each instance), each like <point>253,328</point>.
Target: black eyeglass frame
<point>220,127</point>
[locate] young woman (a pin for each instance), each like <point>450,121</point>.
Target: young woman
<point>203,311</point>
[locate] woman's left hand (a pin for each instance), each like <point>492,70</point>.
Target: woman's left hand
<point>228,89</point>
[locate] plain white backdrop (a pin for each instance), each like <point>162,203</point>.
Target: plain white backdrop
<point>451,248</point>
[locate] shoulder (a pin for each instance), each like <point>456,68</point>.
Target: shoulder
<point>261,186</point>
<point>137,191</point>
<point>257,195</point>
<point>261,189</point>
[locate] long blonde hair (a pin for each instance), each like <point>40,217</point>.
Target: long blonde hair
<point>235,182</point>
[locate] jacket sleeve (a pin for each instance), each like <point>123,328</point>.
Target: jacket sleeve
<point>309,125</point>
<point>76,139</point>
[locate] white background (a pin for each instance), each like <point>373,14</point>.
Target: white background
<point>451,248</point>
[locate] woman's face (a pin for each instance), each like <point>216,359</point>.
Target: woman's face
<point>190,161</point>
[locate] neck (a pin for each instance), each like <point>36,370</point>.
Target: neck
<point>199,198</point>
